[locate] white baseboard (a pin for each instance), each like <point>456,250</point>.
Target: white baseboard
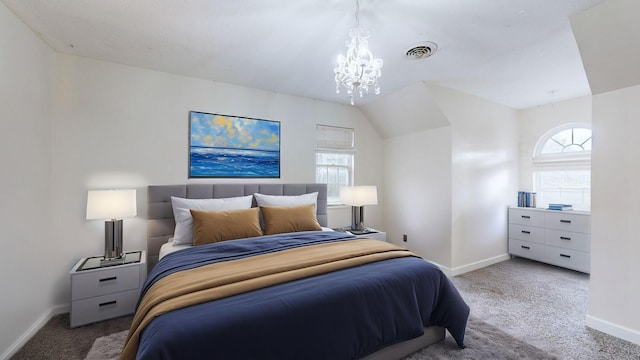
<point>33,329</point>
<point>613,329</point>
<point>459,270</point>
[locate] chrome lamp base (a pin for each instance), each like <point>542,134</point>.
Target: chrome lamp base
<point>357,218</point>
<point>112,240</point>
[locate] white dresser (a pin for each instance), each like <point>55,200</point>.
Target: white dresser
<point>561,238</point>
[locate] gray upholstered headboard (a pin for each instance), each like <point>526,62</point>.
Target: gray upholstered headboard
<point>160,223</point>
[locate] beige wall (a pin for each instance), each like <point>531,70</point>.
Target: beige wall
<point>614,293</point>
<point>449,185</point>
<point>27,259</point>
<point>418,197</point>
<point>484,177</point>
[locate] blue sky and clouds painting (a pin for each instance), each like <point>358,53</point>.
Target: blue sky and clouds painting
<point>230,146</point>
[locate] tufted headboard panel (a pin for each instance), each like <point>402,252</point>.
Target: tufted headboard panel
<point>160,222</point>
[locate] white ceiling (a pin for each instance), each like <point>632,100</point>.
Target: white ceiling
<point>520,53</point>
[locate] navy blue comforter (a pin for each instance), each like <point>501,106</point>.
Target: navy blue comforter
<point>346,314</point>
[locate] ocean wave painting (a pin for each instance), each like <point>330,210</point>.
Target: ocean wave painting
<point>231,146</point>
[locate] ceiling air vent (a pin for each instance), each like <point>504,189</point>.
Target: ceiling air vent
<point>421,51</point>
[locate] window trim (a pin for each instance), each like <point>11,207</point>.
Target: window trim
<point>337,140</point>
<point>566,157</point>
<point>350,171</point>
<point>562,161</point>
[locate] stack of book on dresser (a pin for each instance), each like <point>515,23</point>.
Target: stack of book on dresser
<point>526,199</point>
<point>561,207</point>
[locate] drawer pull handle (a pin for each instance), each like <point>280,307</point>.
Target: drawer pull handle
<point>565,256</point>
<point>526,216</point>
<point>566,221</point>
<point>108,303</point>
<point>564,238</point>
<point>525,247</point>
<point>526,232</point>
<point>109,279</point>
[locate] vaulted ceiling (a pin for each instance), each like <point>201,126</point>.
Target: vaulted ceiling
<point>519,53</point>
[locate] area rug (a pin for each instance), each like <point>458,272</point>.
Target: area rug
<point>482,340</point>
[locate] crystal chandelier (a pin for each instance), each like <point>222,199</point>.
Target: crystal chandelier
<point>358,70</point>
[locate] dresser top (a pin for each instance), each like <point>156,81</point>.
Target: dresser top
<point>577,212</point>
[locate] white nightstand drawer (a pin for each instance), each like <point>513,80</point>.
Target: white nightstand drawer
<point>527,217</point>
<point>90,283</point>
<point>567,221</point>
<point>526,233</point>
<point>104,307</point>
<point>570,259</point>
<point>526,249</point>
<point>568,240</point>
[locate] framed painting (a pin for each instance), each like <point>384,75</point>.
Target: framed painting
<point>223,146</point>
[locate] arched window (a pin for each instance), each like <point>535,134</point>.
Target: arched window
<point>562,167</point>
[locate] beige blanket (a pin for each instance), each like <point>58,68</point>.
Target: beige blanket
<point>194,286</point>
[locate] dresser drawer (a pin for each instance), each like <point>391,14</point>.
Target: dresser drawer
<point>104,281</point>
<point>526,233</point>
<point>99,308</point>
<point>522,216</point>
<point>570,259</point>
<point>526,249</point>
<point>568,240</point>
<point>567,221</point>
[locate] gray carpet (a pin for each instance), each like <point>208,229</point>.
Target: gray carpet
<point>543,305</point>
<point>482,340</point>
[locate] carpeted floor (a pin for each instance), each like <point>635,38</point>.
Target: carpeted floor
<point>542,305</point>
<point>55,341</point>
<point>483,341</point>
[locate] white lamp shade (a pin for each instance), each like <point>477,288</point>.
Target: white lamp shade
<point>359,195</point>
<point>111,204</point>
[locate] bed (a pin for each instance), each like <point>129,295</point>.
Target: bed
<point>311,294</point>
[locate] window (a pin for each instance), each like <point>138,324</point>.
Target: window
<point>574,140</point>
<point>334,159</point>
<point>562,167</point>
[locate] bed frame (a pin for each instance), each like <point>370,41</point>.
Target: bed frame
<point>161,223</point>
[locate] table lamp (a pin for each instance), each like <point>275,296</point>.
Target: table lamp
<point>111,205</point>
<point>357,197</point>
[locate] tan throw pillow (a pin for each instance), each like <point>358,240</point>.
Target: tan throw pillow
<point>215,226</point>
<point>284,219</point>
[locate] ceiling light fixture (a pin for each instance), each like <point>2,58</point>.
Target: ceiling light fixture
<point>358,70</point>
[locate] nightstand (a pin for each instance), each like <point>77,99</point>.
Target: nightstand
<point>374,234</point>
<point>105,291</point>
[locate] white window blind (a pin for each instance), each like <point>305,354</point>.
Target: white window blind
<point>334,138</point>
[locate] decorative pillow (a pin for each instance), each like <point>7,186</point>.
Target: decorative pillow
<point>183,233</point>
<point>286,200</point>
<point>215,226</point>
<point>284,219</point>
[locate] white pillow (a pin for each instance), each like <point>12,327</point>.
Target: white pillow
<point>183,233</point>
<point>287,200</point>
